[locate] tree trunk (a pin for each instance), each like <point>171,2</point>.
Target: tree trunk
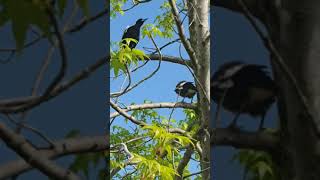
<point>294,27</point>
<point>299,45</point>
<point>200,41</point>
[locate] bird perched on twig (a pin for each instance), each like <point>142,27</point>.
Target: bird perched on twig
<point>243,89</point>
<point>133,32</point>
<point>186,89</point>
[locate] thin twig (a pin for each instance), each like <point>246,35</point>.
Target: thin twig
<point>126,115</point>
<point>116,94</point>
<point>155,105</point>
<point>182,36</point>
<point>193,174</point>
<point>46,63</point>
<point>86,21</point>
<point>32,129</point>
<point>194,76</point>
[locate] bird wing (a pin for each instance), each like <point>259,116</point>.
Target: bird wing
<point>254,75</point>
<point>125,32</point>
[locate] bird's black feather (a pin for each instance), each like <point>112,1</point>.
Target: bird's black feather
<point>133,32</point>
<point>243,88</point>
<point>185,89</point>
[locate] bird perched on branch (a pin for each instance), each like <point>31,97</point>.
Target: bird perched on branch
<point>186,89</point>
<point>133,32</point>
<point>243,89</point>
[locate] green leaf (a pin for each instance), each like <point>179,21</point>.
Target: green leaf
<point>19,12</point>
<point>84,5</point>
<point>23,14</point>
<point>62,6</point>
<point>73,133</point>
<point>4,17</point>
<point>81,164</point>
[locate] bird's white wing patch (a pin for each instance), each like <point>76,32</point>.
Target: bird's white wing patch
<point>226,84</point>
<point>182,83</point>
<point>230,72</point>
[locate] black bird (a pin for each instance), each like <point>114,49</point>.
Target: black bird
<point>186,89</point>
<point>243,89</point>
<point>133,32</point>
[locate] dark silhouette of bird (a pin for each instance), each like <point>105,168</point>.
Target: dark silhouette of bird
<point>133,32</point>
<point>243,89</point>
<point>186,89</point>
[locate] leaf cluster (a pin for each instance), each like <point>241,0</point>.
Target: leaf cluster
<point>258,165</point>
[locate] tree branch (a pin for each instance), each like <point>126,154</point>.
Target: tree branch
<point>88,20</point>
<point>241,139</point>
<point>13,105</point>
<point>184,162</point>
<point>154,106</point>
<point>62,148</point>
<point>31,155</point>
<point>10,105</point>
<point>182,36</point>
<point>126,115</point>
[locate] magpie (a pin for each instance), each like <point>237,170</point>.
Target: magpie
<point>243,89</point>
<point>133,32</point>
<point>186,89</point>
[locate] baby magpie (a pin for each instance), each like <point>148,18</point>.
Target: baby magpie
<point>133,32</point>
<point>243,89</point>
<point>185,89</point>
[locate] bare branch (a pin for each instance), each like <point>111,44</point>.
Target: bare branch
<point>154,106</point>
<point>196,173</point>
<point>241,139</point>
<point>46,62</point>
<point>182,36</point>
<point>12,105</point>
<point>62,148</point>
<point>126,115</point>
<point>18,144</point>
<point>184,162</point>
<point>32,129</point>
<point>86,21</point>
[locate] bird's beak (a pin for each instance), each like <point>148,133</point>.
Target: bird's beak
<point>145,19</point>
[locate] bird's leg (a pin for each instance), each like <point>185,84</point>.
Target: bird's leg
<point>233,124</point>
<point>191,100</point>
<point>183,99</point>
<point>262,122</point>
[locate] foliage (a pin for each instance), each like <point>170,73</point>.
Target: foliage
<point>165,21</point>
<point>150,169</point>
<point>116,7</point>
<point>24,15</point>
<point>258,165</point>
<point>155,151</point>
<point>82,163</point>
<point>125,56</point>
